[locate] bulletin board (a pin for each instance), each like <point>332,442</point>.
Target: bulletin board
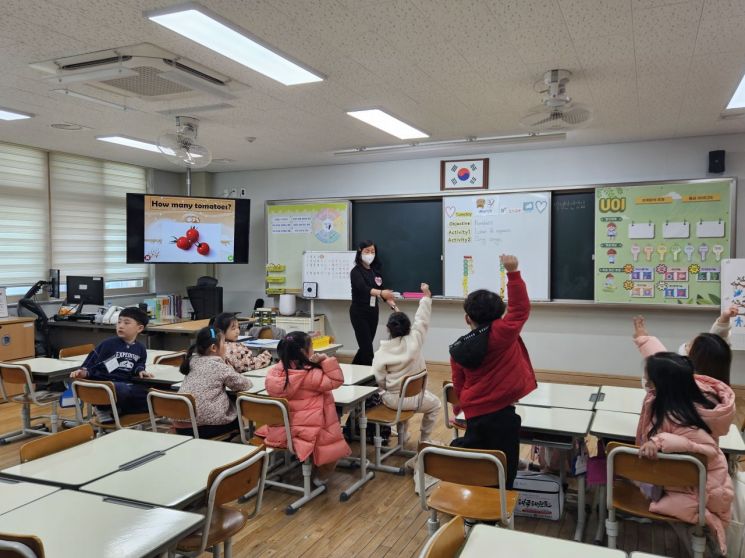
<point>330,271</point>
<point>663,243</point>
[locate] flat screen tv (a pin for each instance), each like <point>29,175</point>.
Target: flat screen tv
<point>180,229</point>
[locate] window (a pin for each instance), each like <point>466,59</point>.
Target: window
<point>89,222</point>
<point>24,217</point>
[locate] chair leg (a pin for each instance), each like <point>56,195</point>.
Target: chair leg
<point>611,528</point>
<point>54,417</point>
<point>698,543</point>
<point>228,548</point>
<point>380,456</point>
<point>308,494</point>
<point>433,524</point>
<point>216,551</point>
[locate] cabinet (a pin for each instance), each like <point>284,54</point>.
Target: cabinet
<point>295,323</point>
<point>16,341</point>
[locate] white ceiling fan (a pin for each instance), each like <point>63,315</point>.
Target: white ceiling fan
<point>558,111</point>
<point>181,147</point>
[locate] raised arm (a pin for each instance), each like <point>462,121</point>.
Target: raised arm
<point>509,327</point>
<point>647,344</point>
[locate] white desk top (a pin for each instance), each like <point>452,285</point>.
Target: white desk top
<point>555,420</point>
<point>484,539</point>
<point>92,460</point>
<point>165,373</point>
<point>76,525</point>
<point>174,479</point>
<point>355,374</point>
<point>152,354</point>
<point>259,372</point>
<point>258,384</point>
<point>14,494</point>
<point>621,399</point>
<point>644,555</point>
<point>271,345</point>
<point>351,395</point>
<point>567,396</point>
<point>614,425</point>
<point>43,365</point>
<point>732,442</point>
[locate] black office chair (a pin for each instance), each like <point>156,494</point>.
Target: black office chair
<point>206,301</point>
<point>206,281</point>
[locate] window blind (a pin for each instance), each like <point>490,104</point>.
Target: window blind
<point>24,215</point>
<point>89,221</point>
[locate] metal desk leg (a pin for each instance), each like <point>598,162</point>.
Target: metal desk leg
<point>602,513</point>
<point>365,475</point>
<point>581,514</point>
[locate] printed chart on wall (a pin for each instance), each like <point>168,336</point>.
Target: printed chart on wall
<point>733,294</point>
<point>293,229</point>
<point>477,229</point>
<point>662,243</point>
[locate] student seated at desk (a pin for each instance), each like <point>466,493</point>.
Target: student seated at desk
<point>306,380</point>
<point>207,376</point>
<point>119,359</point>
<point>237,354</point>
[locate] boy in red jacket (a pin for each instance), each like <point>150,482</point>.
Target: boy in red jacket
<point>492,370</point>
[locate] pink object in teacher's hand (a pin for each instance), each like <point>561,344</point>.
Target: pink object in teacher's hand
<point>413,295</point>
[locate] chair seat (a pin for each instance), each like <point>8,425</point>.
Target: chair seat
<point>125,420</point>
<point>473,502</point>
<point>628,498</point>
<point>384,415</point>
<point>225,523</point>
<point>458,423</point>
<point>41,396</point>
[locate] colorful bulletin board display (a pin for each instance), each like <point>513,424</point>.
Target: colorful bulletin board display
<point>733,294</point>
<point>662,243</point>
<point>477,229</point>
<point>330,270</point>
<point>295,228</point>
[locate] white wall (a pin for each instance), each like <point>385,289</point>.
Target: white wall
<point>586,339</point>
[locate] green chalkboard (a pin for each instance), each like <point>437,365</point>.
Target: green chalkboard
<point>572,244</point>
<point>408,236</point>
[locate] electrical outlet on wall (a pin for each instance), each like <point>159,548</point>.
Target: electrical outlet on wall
<point>243,192</point>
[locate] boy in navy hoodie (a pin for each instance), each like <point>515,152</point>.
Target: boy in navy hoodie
<point>119,359</point>
<point>492,370</point>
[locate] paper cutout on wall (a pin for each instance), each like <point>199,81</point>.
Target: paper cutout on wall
<point>679,229</point>
<point>641,230</point>
<point>710,229</point>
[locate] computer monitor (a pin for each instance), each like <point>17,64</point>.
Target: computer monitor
<point>85,290</point>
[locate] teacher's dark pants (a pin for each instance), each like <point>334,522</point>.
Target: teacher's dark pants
<point>365,322</point>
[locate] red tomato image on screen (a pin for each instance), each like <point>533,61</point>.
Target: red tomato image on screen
<point>182,242</point>
<point>203,248</point>
<point>192,234</point>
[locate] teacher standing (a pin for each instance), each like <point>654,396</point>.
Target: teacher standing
<point>367,290</point>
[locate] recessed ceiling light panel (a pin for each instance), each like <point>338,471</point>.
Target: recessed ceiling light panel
<point>389,124</point>
<point>8,114</point>
<point>738,99</point>
<point>130,142</point>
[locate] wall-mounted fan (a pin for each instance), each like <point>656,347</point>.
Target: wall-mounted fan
<point>558,111</point>
<point>181,147</point>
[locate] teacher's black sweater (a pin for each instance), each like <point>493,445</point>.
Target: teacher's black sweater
<point>362,281</point>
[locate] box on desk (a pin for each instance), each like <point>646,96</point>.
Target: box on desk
<point>321,341</point>
<point>541,495</point>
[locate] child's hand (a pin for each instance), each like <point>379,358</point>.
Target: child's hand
<point>640,326</point>
<point>728,314</point>
<point>146,374</point>
<point>648,450</point>
<point>509,262</point>
<point>425,290</point>
<point>79,373</point>
<point>318,358</point>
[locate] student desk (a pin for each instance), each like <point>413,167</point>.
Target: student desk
<point>258,372</point>
<point>357,374</point>
<point>69,333</point>
<point>14,494</point>
<point>567,396</point>
<point>257,381</point>
<point>621,399</point>
<point>484,540</point>
<point>47,370</point>
<point>152,354</point>
<point>271,346</point>
<point>72,524</point>
<point>92,460</point>
<point>350,398</point>
<point>172,479</point>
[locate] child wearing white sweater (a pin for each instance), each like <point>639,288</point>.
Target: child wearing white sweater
<point>401,356</point>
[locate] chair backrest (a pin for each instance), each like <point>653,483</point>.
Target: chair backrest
<point>415,384</point>
<point>95,392</point>
<point>176,406</point>
<point>19,374</point>
<point>207,281</point>
<point>21,546</point>
<point>76,350</point>
<point>206,301</point>
<point>448,394</point>
<point>266,333</point>
<point>262,409</point>
<point>171,360</point>
<point>47,445</point>
<point>446,542</point>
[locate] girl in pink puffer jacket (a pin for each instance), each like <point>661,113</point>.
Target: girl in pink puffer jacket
<point>686,413</point>
<point>306,380</point>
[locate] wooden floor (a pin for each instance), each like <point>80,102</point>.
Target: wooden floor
<point>382,519</point>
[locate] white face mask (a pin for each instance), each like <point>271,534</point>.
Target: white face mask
<point>368,258</point>
<point>683,350</point>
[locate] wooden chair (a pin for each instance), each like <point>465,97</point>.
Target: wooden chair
<point>450,399</point>
<point>226,484</point>
<point>472,484</point>
<point>669,470</point>
<point>447,541</point>
<point>171,360</point>
<point>413,386</point>
<point>20,375</point>
<point>56,442</point>
<point>95,392</point>
<point>76,350</point>
<point>20,546</point>
<point>261,409</point>
<point>175,406</point>
<point>266,333</point>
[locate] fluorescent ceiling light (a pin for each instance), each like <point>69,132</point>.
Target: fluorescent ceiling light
<point>387,123</point>
<point>206,28</point>
<point>7,114</point>
<point>738,99</point>
<point>90,98</point>
<point>130,142</point>
<point>103,74</point>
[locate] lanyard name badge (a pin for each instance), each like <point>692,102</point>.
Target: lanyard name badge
<point>111,364</point>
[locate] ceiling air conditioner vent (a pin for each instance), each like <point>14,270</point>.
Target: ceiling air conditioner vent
<point>147,84</point>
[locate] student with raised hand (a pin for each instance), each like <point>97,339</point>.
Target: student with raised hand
<point>306,380</point>
<point>119,359</point>
<point>400,356</point>
<point>687,413</point>
<point>710,352</point>
<point>237,355</point>
<point>207,375</point>
<point>491,368</point>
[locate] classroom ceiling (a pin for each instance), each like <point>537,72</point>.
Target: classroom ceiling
<point>649,68</point>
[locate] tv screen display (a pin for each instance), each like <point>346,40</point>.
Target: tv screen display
<point>180,229</point>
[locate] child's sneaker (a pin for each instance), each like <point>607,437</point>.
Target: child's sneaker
<point>104,415</point>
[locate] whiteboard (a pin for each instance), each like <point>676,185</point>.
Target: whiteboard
<point>331,271</point>
<point>477,229</point>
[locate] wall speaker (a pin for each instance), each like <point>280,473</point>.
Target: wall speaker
<point>310,290</point>
<point>716,161</point>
